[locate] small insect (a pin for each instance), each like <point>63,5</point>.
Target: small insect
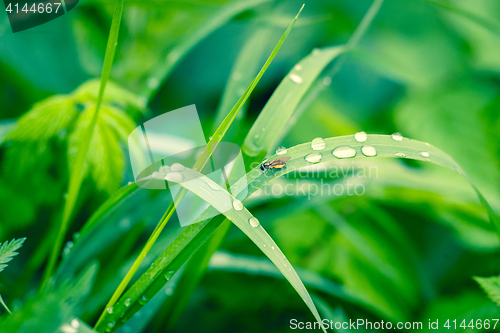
<point>278,163</point>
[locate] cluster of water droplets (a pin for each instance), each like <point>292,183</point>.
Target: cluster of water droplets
<point>70,328</point>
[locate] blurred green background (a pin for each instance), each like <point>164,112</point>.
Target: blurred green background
<point>408,247</point>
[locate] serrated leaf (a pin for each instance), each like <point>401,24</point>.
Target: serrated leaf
<point>243,219</point>
<point>105,159</point>
<point>491,286</point>
<point>57,305</point>
<point>8,251</point>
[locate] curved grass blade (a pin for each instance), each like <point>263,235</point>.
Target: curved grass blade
<point>76,176</point>
<point>175,56</point>
<point>200,163</point>
<point>215,195</point>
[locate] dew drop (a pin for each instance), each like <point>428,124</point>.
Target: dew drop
<point>368,151</point>
<point>400,154</point>
<point>169,291</point>
<point>424,154</point>
<point>254,222</point>
<point>298,67</point>
<point>295,78</point>
<point>177,167</point>
<point>110,326</point>
<point>67,329</point>
<point>143,300</point>
<point>174,177</point>
<point>125,223</point>
<point>236,76</point>
<point>154,174</point>
<point>316,51</point>
<point>281,150</point>
<point>318,144</point>
<point>285,265</point>
<point>127,302</point>
<point>361,136</point>
<point>109,309</point>
<point>397,136</point>
<point>327,81</point>
<point>153,83</point>
<point>75,323</point>
<point>313,157</point>
<point>68,247</point>
<point>76,235</point>
<point>237,205</point>
<point>344,152</point>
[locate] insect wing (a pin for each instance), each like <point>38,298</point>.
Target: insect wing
<point>279,162</point>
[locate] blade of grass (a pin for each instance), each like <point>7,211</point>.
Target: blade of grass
<point>227,262</point>
<point>194,235</point>
<point>281,100</point>
<point>76,176</point>
<point>175,56</point>
<point>242,218</point>
<point>200,163</point>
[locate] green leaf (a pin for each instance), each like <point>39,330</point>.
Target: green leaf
<point>194,235</point>
<point>175,56</point>
<point>491,286</point>
<point>8,251</point>
<point>285,99</point>
<point>104,160</point>
<point>77,173</point>
<point>57,305</point>
<point>242,218</point>
<point>199,164</point>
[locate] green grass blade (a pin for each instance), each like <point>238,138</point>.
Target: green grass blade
<point>175,56</point>
<point>200,163</point>
<point>76,176</point>
<point>247,56</point>
<point>243,219</point>
<point>280,107</point>
<point>227,262</point>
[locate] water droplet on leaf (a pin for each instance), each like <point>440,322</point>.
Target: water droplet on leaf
<point>344,152</point>
<point>368,151</point>
<point>254,222</point>
<point>424,154</point>
<point>295,78</point>
<point>281,150</point>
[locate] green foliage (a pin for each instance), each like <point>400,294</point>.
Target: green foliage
<point>403,250</point>
<point>7,252</point>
